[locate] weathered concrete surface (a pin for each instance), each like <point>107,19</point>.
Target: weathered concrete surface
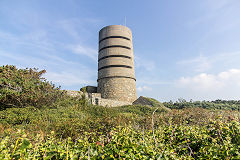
<point>114,51</point>
<point>115,30</point>
<point>115,41</point>
<point>116,71</point>
<point>116,61</point>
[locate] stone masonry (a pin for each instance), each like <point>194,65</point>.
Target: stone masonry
<point>95,99</point>
<point>120,86</point>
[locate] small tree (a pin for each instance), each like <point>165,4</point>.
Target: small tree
<point>24,87</point>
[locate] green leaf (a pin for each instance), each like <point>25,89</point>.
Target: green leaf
<point>24,144</point>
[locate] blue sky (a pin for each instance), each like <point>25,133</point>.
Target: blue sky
<point>183,48</point>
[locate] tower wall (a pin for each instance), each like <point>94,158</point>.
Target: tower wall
<point>116,76</point>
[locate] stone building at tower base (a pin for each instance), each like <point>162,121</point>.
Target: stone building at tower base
<point>95,98</point>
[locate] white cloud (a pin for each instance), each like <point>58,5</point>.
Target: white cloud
<point>143,88</point>
<point>209,83</point>
<point>201,82</point>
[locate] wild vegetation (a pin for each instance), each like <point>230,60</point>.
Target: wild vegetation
<point>217,104</point>
<point>64,127</point>
<point>24,87</point>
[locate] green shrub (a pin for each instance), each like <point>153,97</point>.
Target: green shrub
<point>25,87</point>
<point>217,104</point>
<point>216,140</point>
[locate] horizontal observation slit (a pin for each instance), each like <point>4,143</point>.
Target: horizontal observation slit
<point>114,37</point>
<point>110,66</point>
<point>120,46</point>
<point>116,77</point>
<point>122,56</point>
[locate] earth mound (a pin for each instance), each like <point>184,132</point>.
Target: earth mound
<point>146,101</point>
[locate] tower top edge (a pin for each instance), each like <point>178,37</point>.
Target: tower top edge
<point>116,27</point>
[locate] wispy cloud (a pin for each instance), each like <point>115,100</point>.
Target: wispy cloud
<point>83,50</point>
<point>198,64</point>
<point>212,11</point>
<point>37,39</point>
<point>70,78</point>
<point>69,27</point>
<point>216,5</point>
<point>27,60</point>
<point>203,63</point>
<point>153,81</point>
<point>144,63</point>
<point>48,46</point>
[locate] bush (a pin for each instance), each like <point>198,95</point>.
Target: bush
<point>25,87</point>
<point>216,140</point>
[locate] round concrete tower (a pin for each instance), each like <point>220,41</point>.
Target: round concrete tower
<point>116,76</point>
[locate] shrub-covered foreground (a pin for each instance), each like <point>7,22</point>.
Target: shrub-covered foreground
<point>73,131</point>
<point>216,140</point>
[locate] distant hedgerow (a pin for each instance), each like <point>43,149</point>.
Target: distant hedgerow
<point>25,87</point>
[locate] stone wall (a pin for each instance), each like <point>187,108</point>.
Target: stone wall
<point>112,103</point>
<point>74,93</point>
<point>120,89</point>
<point>95,99</point>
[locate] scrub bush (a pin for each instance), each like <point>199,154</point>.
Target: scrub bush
<point>26,87</point>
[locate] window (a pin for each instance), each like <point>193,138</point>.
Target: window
<point>96,101</point>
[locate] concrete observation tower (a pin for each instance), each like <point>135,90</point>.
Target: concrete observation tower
<point>116,76</point>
